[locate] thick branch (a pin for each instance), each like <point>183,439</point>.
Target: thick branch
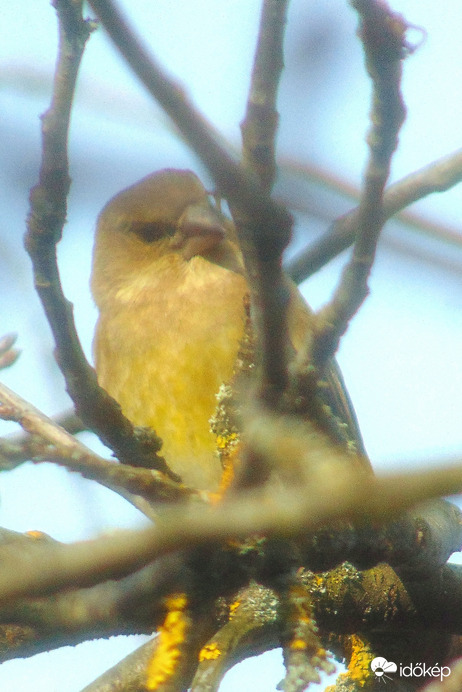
<point>31,625</point>
<point>341,493</point>
<point>129,675</point>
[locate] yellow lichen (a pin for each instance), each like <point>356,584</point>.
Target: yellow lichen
<point>298,645</point>
<point>229,459</point>
<point>36,534</point>
<point>171,636</point>
<point>209,652</point>
<point>233,607</point>
<point>359,667</point>
<point>225,441</point>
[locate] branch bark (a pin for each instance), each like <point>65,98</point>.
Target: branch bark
<point>45,223</point>
<point>437,176</point>
<point>383,36</point>
<point>340,494</point>
<point>139,486</point>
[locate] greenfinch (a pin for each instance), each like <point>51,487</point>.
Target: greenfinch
<point>169,283</point>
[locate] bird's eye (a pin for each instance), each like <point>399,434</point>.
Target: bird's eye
<point>150,232</point>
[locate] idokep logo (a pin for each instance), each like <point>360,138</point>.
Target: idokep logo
<point>382,669</point>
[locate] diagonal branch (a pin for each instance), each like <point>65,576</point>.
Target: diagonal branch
<point>341,493</point>
<point>129,674</point>
<point>232,181</point>
<point>437,176</point>
<point>137,485</point>
<point>18,448</point>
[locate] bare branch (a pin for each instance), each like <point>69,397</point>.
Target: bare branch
<point>75,615</point>
<point>134,484</point>
<point>18,448</point>
<point>259,126</point>
<point>269,290</point>
<point>129,675</point>
<point>45,222</point>
<point>232,181</point>
<point>252,628</point>
<point>304,654</point>
<point>8,354</point>
<point>341,493</point>
<point>437,176</point>
<point>183,571</point>
<point>383,35</point>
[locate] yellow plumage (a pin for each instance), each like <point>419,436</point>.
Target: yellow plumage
<point>169,284</point>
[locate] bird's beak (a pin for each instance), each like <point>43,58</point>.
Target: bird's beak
<point>200,229</point>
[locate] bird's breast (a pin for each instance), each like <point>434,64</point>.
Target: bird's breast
<point>164,344</point>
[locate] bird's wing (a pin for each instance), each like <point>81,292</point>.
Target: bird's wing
<point>334,392</point>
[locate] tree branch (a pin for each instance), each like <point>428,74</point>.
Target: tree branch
<point>252,628</point>
<point>437,176</point>
<point>232,181</point>
<point>341,493</point>
<point>383,36</point>
<point>45,222</point>
<point>260,123</point>
<point>129,675</point>
<point>31,625</point>
<point>15,449</point>
<point>269,290</point>
<point>134,484</point>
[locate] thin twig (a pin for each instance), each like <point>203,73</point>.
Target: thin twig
<point>232,181</point>
<point>437,176</point>
<point>30,81</point>
<point>383,35</point>
<point>18,448</point>
<point>45,223</point>
<point>134,484</point>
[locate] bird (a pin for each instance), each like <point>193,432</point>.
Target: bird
<point>169,282</point>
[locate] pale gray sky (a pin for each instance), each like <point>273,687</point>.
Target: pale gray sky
<point>401,355</point>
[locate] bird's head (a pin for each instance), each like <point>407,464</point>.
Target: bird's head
<point>166,218</point>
